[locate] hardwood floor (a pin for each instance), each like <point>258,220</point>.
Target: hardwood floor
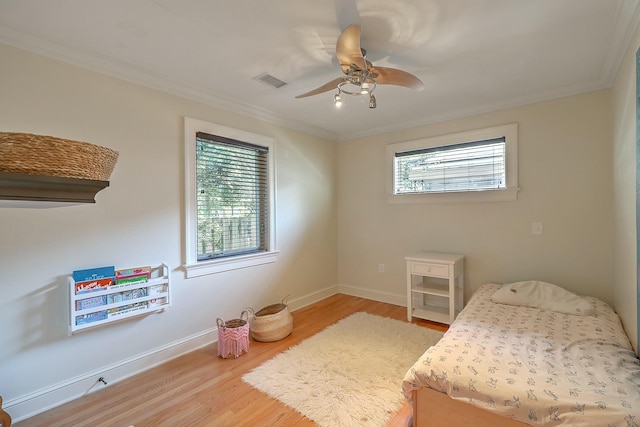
<point>201,389</point>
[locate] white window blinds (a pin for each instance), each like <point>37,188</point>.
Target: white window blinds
<point>469,166</point>
<point>232,197</point>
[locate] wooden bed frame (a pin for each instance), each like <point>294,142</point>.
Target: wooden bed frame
<point>5,419</point>
<point>432,408</point>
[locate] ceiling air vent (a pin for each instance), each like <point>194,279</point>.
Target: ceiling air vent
<point>270,80</point>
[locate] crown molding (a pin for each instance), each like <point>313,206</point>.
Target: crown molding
<point>620,35</point>
<point>117,69</point>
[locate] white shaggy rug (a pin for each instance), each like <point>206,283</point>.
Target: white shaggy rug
<point>349,374</point>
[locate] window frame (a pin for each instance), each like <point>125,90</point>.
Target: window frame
<point>192,266</point>
<point>510,193</point>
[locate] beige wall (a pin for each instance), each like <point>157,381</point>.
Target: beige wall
<point>138,220</point>
<point>565,180</point>
<point>624,176</point>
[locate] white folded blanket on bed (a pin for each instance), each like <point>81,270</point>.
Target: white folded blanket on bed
<point>543,295</point>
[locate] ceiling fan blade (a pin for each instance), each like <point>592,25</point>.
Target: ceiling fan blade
<point>348,48</point>
<point>392,76</point>
<point>333,84</point>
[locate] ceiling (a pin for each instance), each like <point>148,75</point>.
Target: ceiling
<point>473,56</point>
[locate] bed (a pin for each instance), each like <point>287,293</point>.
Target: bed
<point>513,365</point>
<point>5,419</point>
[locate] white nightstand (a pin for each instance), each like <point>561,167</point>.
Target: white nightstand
<point>435,286</point>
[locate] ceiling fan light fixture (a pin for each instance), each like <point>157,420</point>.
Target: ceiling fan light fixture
<point>360,76</point>
<point>337,100</point>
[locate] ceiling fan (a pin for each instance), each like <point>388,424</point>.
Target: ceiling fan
<point>360,76</point>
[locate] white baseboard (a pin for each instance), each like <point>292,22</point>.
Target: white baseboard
<point>300,302</point>
<point>386,297</point>
<point>42,400</point>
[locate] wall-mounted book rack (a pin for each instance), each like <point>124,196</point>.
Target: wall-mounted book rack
<point>103,295</point>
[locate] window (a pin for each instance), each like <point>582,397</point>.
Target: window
<point>229,198</point>
<point>470,166</point>
<point>479,165</point>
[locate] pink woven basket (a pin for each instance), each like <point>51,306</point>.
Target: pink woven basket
<point>233,337</point>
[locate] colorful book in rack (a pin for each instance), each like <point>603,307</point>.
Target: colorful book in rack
<point>131,280</point>
<point>158,289</point>
<point>93,285</point>
<point>83,319</point>
<point>157,302</point>
<point>94,274</point>
<point>132,276</point>
<point>93,279</point>
<point>119,311</point>
<point>91,302</point>
<point>126,295</point>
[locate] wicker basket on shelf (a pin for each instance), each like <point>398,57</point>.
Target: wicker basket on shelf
<point>50,156</point>
<point>271,323</point>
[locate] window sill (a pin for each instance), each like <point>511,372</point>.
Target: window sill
<point>508,195</point>
<point>204,268</point>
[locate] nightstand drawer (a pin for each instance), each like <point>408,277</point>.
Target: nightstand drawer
<point>436,270</point>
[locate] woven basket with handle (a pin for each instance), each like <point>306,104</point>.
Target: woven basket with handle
<point>271,323</point>
<point>50,156</point>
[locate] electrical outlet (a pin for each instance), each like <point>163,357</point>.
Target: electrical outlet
<point>380,268</point>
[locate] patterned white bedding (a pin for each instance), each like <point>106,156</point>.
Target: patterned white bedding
<point>541,367</point>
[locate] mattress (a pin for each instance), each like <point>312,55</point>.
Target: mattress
<point>541,367</point>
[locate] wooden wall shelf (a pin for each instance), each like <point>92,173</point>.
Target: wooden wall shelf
<point>26,190</point>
